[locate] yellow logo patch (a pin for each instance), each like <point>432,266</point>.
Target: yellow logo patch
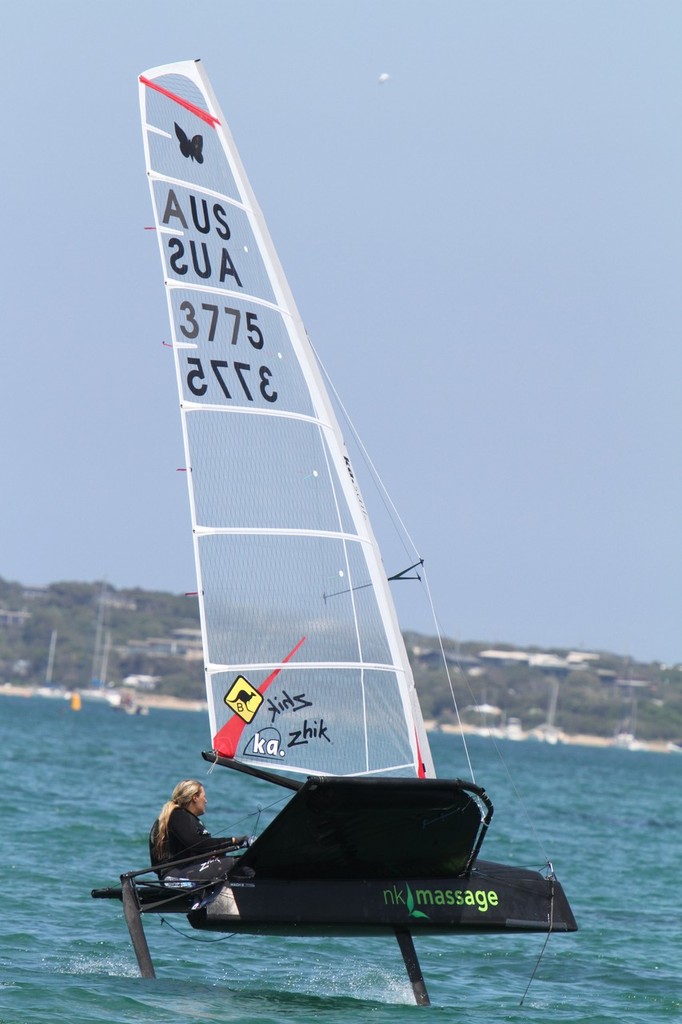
<point>243,698</point>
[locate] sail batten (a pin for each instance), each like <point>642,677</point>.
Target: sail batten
<point>302,665</point>
<point>306,670</point>
<point>183,183</point>
<point>229,294</point>
<point>243,411</point>
<point>255,531</point>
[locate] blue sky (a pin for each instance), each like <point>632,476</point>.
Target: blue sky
<point>486,250</point>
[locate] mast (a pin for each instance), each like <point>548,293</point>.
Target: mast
<point>50,658</point>
<point>99,654</point>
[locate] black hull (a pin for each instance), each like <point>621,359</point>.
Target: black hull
<point>494,898</point>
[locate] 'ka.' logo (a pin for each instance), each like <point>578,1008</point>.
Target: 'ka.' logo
<point>243,698</point>
<point>265,743</point>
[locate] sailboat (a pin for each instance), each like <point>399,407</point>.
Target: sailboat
<point>548,732</point>
<point>49,689</point>
<point>308,681</point>
<point>98,688</point>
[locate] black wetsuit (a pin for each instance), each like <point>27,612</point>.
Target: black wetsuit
<point>187,837</point>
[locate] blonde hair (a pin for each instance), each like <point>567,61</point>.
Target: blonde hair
<point>182,796</point>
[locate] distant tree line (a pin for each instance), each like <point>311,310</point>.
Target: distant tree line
<point>95,627</point>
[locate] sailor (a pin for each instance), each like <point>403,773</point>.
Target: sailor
<point>178,834</point>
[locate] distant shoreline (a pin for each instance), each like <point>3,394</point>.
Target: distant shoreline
<point>144,700</point>
<point>167,703</point>
<point>563,738</point>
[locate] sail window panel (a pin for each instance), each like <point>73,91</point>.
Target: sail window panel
<point>388,741</point>
<point>208,242</point>
<point>166,155</point>
<point>374,646</point>
<point>236,352</point>
<point>261,594</point>
<point>167,160</point>
<point>311,720</point>
<point>265,472</point>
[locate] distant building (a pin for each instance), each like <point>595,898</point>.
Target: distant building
<point>510,656</point>
<point>581,656</point>
<point>633,684</point>
<point>434,655</point>
<point>10,619</point>
<point>118,601</point>
<point>183,643</point>
<point>547,662</point>
<point>141,682</point>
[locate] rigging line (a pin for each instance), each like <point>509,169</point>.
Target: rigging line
<point>381,487</point>
<point>363,586</point>
<point>521,801</point>
<point>256,813</point>
<point>448,674</point>
<point>195,938</point>
<point>401,575</point>
<point>404,535</point>
<point>544,946</point>
<point>173,894</point>
<point>492,877</point>
<point>259,811</point>
<point>519,797</point>
<point>504,764</point>
<point>348,590</point>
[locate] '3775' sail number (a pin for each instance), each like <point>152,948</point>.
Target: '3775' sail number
<point>212,323</point>
<point>227,324</point>
<point>243,373</point>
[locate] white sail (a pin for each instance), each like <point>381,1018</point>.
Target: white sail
<point>306,669</point>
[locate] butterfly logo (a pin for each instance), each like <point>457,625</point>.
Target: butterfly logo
<point>190,147</point>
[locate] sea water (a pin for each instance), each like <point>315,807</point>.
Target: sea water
<point>80,790</point>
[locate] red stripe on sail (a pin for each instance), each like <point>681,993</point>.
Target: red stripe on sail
<point>421,771</point>
<point>226,739</point>
<point>193,109</point>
